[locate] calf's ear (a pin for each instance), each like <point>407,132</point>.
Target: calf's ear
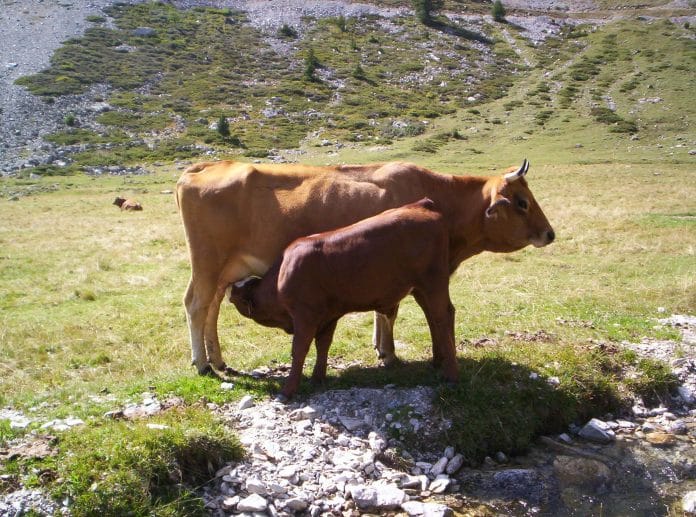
<point>492,211</point>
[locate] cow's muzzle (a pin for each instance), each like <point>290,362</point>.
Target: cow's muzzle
<point>544,239</point>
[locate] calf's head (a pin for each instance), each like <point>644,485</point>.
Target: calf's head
<point>513,218</point>
<point>257,299</point>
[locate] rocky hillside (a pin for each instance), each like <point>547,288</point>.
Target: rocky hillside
<point>132,83</point>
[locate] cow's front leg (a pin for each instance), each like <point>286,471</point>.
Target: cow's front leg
<point>383,335</point>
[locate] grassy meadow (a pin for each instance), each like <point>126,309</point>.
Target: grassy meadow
<point>91,314</point>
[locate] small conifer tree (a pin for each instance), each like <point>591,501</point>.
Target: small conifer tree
<point>311,63</point>
<point>425,8</point>
<point>223,127</point>
<point>498,11</point>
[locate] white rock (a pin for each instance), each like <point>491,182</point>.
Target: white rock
<point>689,502</point>
<point>253,503</point>
<point>287,472</point>
<point>420,482</point>
<point>229,503</point>
<point>440,484</point>
<point>455,464</point>
<point>597,431</point>
<point>678,427</point>
<point>418,509</point>
<point>449,453</point>
<point>377,443</point>
<point>296,504</point>
<point>305,413</point>
<point>256,486</point>
<point>377,497</point>
<point>227,386</point>
<point>157,426</point>
<point>246,402</point>
<point>565,438</point>
<point>439,466</point>
<point>686,394</point>
<point>351,423</point>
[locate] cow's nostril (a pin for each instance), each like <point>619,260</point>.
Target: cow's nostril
<point>550,235</point>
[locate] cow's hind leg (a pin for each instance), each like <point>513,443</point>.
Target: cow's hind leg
<point>439,312</point>
<point>323,342</point>
<point>383,335</point>
<point>197,300</point>
<point>212,342</point>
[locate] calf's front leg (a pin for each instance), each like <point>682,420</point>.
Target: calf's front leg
<point>323,342</point>
<point>301,340</point>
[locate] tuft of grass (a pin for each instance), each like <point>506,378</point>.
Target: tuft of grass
<point>130,468</point>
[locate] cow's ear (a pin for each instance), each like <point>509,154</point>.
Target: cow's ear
<point>492,211</point>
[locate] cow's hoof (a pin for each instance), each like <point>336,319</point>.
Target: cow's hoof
<point>390,361</point>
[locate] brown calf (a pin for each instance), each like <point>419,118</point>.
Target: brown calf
<point>127,204</point>
<point>370,265</point>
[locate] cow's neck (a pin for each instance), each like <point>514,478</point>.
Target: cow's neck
<point>465,209</point>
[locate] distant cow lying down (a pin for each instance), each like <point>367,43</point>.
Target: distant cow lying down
<point>127,204</point>
<point>370,265</point>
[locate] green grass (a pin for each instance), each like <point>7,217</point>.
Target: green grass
<point>118,468</point>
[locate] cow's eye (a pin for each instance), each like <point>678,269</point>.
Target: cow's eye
<point>522,204</point>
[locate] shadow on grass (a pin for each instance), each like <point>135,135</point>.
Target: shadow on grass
<point>449,28</point>
<point>497,405</point>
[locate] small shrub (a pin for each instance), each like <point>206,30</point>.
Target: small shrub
<point>287,32</point>
<point>340,23</point>
<point>359,73</point>
<point>70,120</point>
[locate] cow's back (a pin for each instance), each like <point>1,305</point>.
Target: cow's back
<point>255,211</point>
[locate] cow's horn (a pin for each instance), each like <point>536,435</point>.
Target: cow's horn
<point>512,176</point>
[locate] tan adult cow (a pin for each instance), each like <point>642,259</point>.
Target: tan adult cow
<point>239,217</point>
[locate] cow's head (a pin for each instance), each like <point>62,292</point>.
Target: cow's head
<point>513,219</point>
<point>258,300</point>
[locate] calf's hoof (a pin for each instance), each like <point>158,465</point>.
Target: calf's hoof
<point>204,369</point>
<point>318,380</point>
<point>282,398</point>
